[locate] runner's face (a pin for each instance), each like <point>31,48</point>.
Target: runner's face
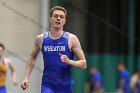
<point>58,19</point>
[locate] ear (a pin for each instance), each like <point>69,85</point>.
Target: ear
<point>50,20</point>
<point>64,21</point>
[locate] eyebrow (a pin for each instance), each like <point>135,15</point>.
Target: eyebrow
<point>59,15</point>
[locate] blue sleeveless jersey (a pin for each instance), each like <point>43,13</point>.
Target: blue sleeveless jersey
<point>55,71</point>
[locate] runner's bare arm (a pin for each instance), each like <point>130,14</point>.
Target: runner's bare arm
<point>12,69</point>
<point>76,48</point>
<point>32,57</point>
<point>31,61</point>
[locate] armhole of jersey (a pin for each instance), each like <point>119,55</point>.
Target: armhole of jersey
<point>44,36</point>
<point>69,41</point>
<point>67,35</point>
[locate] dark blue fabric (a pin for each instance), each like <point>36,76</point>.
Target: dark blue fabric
<point>96,77</point>
<point>55,71</point>
<point>2,89</point>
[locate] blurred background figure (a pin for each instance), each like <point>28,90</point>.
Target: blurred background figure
<point>95,84</point>
<point>89,85</point>
<point>135,82</point>
<point>124,84</point>
<point>5,63</point>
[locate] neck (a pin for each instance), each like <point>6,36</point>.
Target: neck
<point>56,33</point>
<point>1,58</point>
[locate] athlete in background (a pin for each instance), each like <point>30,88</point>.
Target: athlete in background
<point>95,84</point>
<point>5,63</point>
<point>135,82</point>
<point>124,84</point>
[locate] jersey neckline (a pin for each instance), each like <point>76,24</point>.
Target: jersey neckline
<point>57,38</point>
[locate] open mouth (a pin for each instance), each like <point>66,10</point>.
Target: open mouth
<point>57,23</point>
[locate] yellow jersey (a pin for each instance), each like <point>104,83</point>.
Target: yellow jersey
<point>3,71</point>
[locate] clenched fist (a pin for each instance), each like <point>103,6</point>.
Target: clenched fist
<point>24,84</point>
<point>64,58</point>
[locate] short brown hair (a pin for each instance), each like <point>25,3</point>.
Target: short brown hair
<point>58,8</point>
<point>2,45</point>
<point>121,64</point>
